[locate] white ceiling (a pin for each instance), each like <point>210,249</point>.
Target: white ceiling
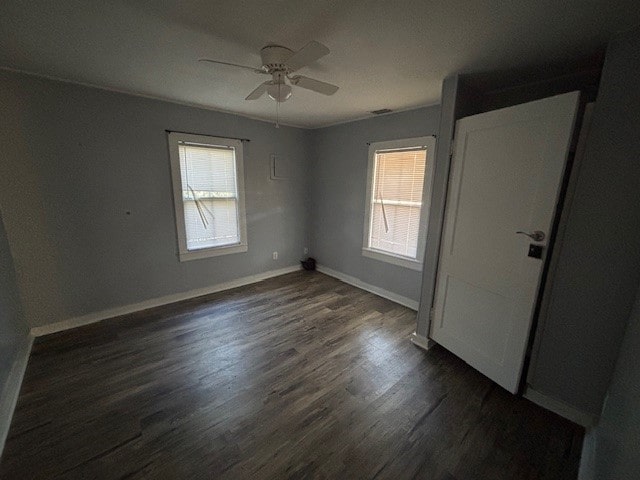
<point>384,53</point>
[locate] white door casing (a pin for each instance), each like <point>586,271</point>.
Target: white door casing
<point>506,175</point>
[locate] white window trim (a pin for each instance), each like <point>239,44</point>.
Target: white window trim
<point>174,155</point>
<point>414,264</point>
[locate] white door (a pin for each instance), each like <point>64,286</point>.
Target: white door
<point>506,175</point>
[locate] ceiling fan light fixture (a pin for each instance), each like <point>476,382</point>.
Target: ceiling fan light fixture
<point>280,62</point>
<point>280,92</point>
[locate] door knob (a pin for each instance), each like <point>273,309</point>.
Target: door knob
<point>536,235</point>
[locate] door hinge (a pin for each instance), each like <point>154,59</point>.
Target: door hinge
<point>452,147</point>
<point>432,312</point>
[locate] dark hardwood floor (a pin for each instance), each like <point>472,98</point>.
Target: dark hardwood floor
<point>300,376</point>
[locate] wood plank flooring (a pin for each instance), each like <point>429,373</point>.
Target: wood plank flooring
<point>299,376</point>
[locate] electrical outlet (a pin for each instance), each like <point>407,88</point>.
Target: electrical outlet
<point>275,255</point>
<point>306,250</point>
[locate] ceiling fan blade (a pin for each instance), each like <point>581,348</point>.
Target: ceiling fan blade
<point>253,69</point>
<point>312,84</point>
<point>311,52</point>
<point>258,92</point>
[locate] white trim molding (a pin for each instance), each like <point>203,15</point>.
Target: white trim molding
<point>422,342</point>
<point>202,106</point>
<point>405,262</point>
<point>11,390</point>
<point>559,407</point>
<point>229,145</point>
<point>381,292</point>
<point>159,98</point>
<point>587,469</point>
<point>157,302</point>
<point>427,143</point>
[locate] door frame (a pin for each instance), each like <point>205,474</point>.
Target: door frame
<point>453,110</point>
<point>576,154</point>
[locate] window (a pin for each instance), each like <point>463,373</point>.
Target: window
<point>208,195</point>
<point>398,193</point>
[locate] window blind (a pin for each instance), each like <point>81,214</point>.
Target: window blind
<point>210,195</point>
<point>396,201</point>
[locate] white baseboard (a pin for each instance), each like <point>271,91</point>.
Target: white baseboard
<point>422,342</point>
<point>156,302</point>
<point>10,392</point>
<point>556,406</point>
<point>381,292</point>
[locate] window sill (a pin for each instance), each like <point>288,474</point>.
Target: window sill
<point>212,252</point>
<point>393,259</point>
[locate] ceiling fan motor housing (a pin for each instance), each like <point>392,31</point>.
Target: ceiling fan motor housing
<point>274,57</point>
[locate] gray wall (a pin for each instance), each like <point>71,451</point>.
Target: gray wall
<point>598,268</point>
<point>13,329</point>
<point>75,159</point>
<point>339,189</point>
<point>615,441</point>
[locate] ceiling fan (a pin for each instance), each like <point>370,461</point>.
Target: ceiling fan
<point>280,62</point>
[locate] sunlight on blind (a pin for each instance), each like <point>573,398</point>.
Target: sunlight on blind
<point>397,201</point>
<point>210,195</point>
